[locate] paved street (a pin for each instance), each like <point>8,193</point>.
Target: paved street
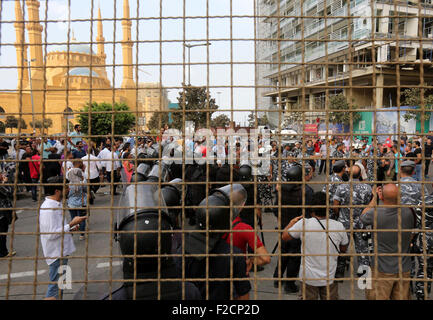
<point>27,273</point>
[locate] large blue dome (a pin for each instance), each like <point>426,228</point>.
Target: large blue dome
<point>82,72</point>
<point>80,48</point>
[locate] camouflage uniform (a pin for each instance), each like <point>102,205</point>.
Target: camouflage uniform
<point>296,152</point>
<point>362,194</point>
<point>370,169</point>
<point>338,155</point>
<point>331,189</point>
<point>423,244</point>
<point>410,193</point>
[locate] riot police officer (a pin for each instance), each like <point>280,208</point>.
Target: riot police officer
<point>145,210</point>
<point>291,194</point>
<point>362,194</point>
<point>410,192</point>
<point>339,175</point>
<point>140,227</point>
<point>214,214</point>
<point>424,244</point>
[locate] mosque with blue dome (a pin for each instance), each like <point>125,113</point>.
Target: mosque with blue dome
<point>68,76</point>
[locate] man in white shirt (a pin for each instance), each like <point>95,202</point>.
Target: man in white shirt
<point>55,233</point>
<point>110,161</point>
<point>315,244</point>
<point>92,172</point>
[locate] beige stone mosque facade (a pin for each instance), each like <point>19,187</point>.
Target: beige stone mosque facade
<point>71,75</point>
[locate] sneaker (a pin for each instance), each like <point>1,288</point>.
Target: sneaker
<point>10,254</point>
<point>82,238</point>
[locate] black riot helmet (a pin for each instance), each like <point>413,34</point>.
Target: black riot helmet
<point>172,194</point>
<point>294,173</point>
<point>146,242</point>
<point>142,208</point>
<point>245,172</point>
<point>218,218</point>
<point>140,173</point>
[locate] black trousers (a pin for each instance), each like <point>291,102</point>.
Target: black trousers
<point>427,166</point>
<point>289,264</point>
<point>96,187</point>
<point>322,166</point>
<point>4,226</point>
<point>116,179</point>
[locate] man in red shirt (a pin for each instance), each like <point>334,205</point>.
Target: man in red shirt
<point>34,166</point>
<point>248,241</point>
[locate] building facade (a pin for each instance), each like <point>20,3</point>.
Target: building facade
<point>366,50</point>
<point>68,76</point>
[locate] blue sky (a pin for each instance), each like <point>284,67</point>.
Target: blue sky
<point>149,30</point>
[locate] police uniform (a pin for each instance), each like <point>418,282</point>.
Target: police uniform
<point>370,169</point>
<point>148,290</point>
<point>338,154</point>
<point>362,194</point>
<point>219,268</point>
<point>332,187</point>
<point>424,244</point>
<point>291,194</point>
<point>410,193</point>
<point>223,265</point>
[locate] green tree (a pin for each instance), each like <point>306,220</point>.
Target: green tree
<point>261,120</point>
<point>220,121</point>
<point>412,98</point>
<point>42,124</point>
<point>196,99</point>
<point>102,116</point>
<point>154,123</point>
<point>339,102</point>
<point>12,122</point>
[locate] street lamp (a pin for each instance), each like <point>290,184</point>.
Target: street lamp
<point>31,93</point>
<point>189,46</point>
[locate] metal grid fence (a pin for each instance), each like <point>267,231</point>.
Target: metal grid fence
<point>272,58</point>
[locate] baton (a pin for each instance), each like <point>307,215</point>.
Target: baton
<point>261,230</point>
<point>276,245</point>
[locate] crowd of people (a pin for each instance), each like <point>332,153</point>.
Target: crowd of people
<point>362,174</point>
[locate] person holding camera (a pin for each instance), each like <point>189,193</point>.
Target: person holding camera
<point>317,247</point>
<point>57,243</point>
<point>6,216</point>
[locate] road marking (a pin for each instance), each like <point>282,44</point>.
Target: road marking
<point>21,274</point>
<point>40,272</point>
<point>107,264</point>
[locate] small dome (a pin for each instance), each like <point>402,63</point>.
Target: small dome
<point>82,72</point>
<point>80,48</point>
